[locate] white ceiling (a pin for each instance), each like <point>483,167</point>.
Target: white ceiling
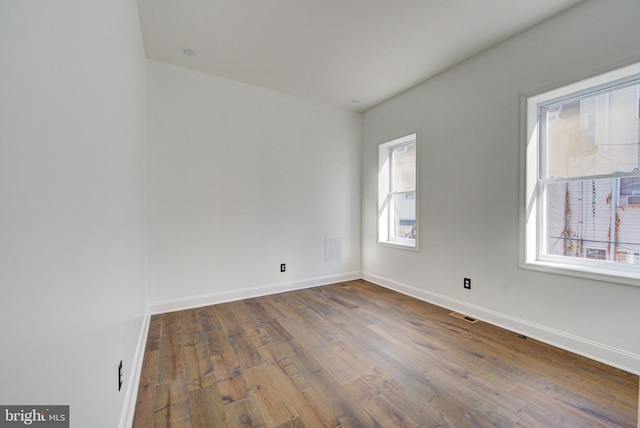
<point>349,53</point>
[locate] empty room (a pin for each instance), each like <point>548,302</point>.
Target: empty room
<point>315,213</point>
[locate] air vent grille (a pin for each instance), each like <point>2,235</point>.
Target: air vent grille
<point>463,317</point>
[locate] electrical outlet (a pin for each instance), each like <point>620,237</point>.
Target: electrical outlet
<point>283,267</point>
<point>467,283</point>
<point>120,376</point>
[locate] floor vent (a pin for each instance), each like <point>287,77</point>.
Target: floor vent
<point>463,317</point>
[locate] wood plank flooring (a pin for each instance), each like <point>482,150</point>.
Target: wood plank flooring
<point>357,355</point>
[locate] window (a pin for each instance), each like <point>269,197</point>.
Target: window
<point>397,197</point>
<point>581,213</point>
<point>596,254</point>
<point>630,191</point>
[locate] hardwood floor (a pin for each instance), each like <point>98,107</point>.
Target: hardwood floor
<point>358,355</point>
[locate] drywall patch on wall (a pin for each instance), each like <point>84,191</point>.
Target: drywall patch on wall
<point>238,185</point>
<point>333,249</point>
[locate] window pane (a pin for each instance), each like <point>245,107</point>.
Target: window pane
<point>404,216</point>
<point>593,135</point>
<point>403,167</point>
<point>397,192</point>
<point>590,219</point>
<point>630,186</point>
<point>582,186</point>
<point>596,254</point>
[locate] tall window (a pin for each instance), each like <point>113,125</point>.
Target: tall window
<point>397,195</point>
<point>582,208</point>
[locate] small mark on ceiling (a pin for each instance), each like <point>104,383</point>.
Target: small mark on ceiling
<point>189,52</point>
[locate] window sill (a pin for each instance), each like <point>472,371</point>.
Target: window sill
<point>616,275</point>
<point>398,244</point>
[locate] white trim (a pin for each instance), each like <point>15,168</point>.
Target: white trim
<point>583,269</point>
<point>591,177</point>
<point>532,180</point>
<point>182,303</point>
<point>606,354</point>
<point>383,189</point>
<point>129,406</point>
<point>398,244</point>
<point>588,348</point>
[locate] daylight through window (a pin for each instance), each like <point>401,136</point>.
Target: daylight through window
<point>397,192</point>
<point>582,176</point>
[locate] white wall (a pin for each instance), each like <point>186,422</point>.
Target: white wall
<point>73,266</point>
<point>242,179</point>
<point>468,123</point>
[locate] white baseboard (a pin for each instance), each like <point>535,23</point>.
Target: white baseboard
<point>247,293</point>
<point>129,406</point>
<point>597,351</point>
<point>614,357</point>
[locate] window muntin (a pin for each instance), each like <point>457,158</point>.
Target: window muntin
<point>582,178</point>
<point>397,197</point>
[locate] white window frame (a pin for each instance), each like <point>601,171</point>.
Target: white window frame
<point>384,194</point>
<point>531,211</point>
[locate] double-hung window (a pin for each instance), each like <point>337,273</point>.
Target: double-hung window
<point>581,210</point>
<point>397,196</point>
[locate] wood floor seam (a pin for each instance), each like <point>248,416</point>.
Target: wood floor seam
<point>354,354</point>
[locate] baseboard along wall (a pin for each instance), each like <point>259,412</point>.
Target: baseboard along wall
<point>596,351</point>
<point>608,355</point>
